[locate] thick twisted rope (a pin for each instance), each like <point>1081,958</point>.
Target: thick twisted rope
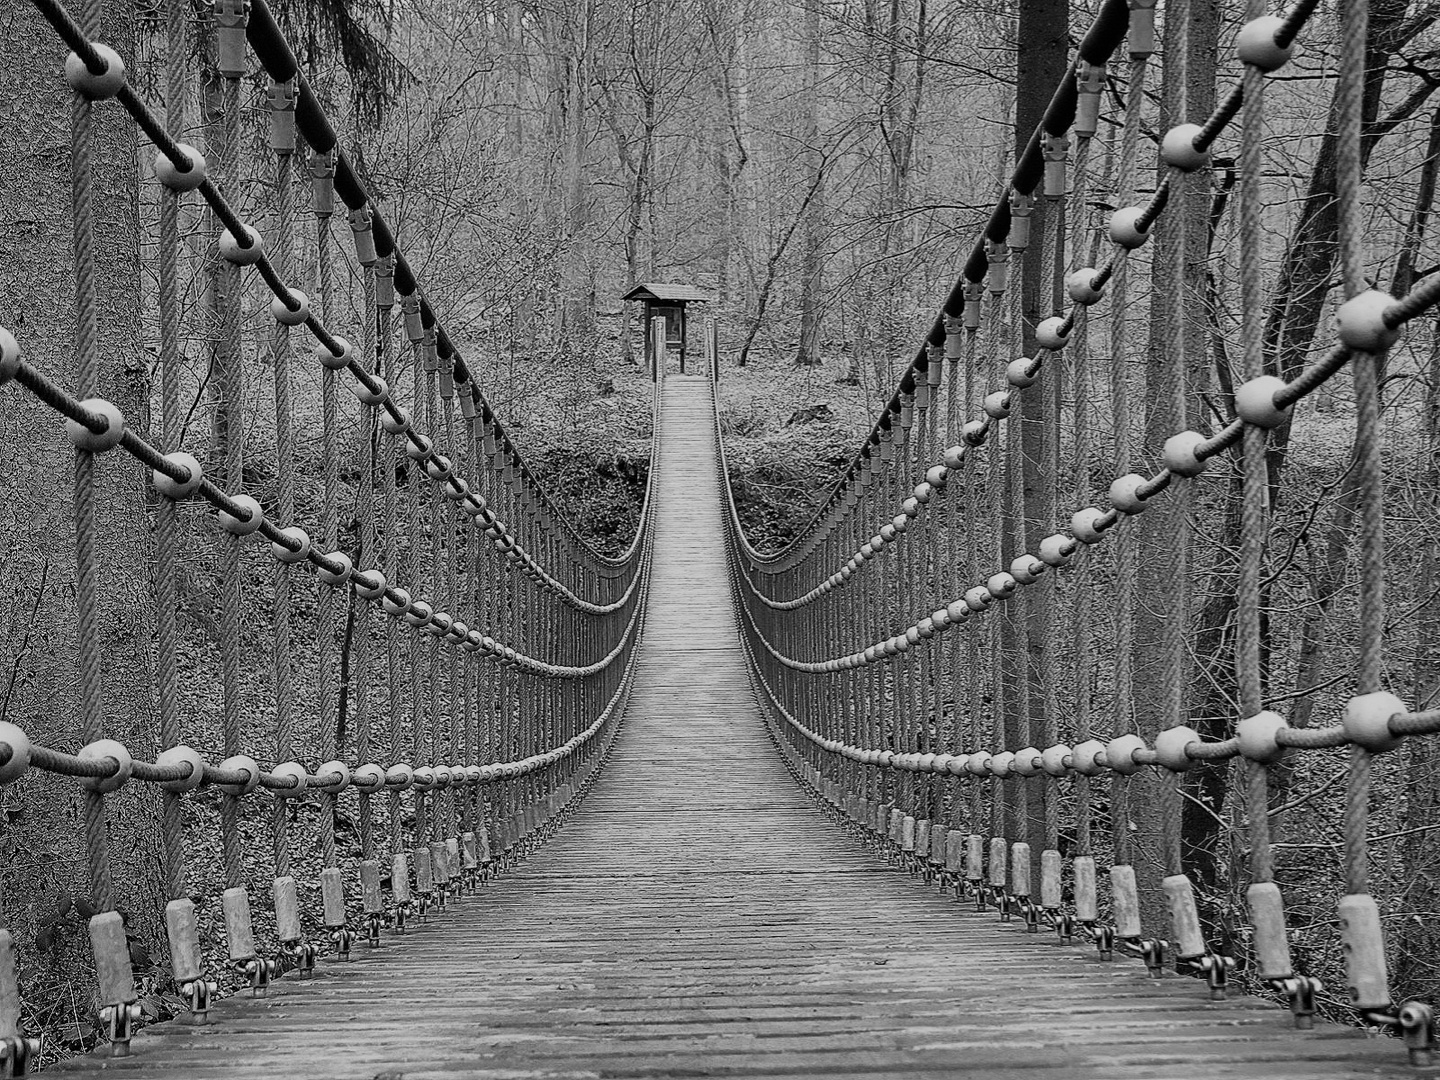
<point>167,512</point>
<point>280,354</point>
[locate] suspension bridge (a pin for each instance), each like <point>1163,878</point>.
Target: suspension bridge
<point>698,808</point>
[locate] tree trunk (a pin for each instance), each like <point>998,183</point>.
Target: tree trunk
<point>812,272</point>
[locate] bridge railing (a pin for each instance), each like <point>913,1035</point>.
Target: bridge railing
<point>957,678</point>
<point>487,648</point>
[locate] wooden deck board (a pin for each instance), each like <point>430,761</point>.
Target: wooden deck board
<point>700,918</point>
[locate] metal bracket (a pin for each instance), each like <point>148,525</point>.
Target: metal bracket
<point>1416,1021</point>
<point>1064,924</point>
<point>1002,902</point>
<point>1031,913</point>
<point>258,974</point>
<point>374,922</point>
<point>1417,1027</point>
<point>16,1053</point>
<point>120,1020</point>
<point>302,955</point>
<point>198,993</point>
<point>342,939</point>
<point>1300,991</point>
<point>1104,937</point>
<point>1213,967</point>
<point>401,912</point>
<point>1151,950</point>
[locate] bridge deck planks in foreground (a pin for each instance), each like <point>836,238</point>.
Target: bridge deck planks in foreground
<point>701,918</point>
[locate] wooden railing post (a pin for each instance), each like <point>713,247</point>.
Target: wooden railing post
<point>712,348</point>
<point>658,355</point>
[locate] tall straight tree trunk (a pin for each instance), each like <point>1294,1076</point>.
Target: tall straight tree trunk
<point>812,272</point>
<point>578,272</point>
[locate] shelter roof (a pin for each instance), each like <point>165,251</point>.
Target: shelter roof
<point>667,291</point>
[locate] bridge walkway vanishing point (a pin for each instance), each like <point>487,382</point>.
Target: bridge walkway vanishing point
<point>699,917</point>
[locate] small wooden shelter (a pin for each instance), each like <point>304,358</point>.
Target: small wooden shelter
<point>667,299</point>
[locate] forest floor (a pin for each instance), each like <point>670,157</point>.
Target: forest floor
<point>789,430</point>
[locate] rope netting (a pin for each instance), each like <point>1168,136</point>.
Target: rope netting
<point>474,648</point>
<point>957,680</point>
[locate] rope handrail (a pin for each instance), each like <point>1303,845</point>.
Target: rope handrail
<point>292,544</point>
<point>1188,450</point>
<point>18,753</point>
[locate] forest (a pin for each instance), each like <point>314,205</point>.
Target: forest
<point>822,168</point>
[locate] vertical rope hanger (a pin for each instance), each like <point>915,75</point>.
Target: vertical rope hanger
<point>433,646</point>
<point>230,438</point>
<point>998,314</point>
<point>957,493</point>
<point>166,511</point>
<point>469,672</point>
<point>971,537</point>
<point>180,924</point>
<point>87,380</point>
<point>106,928</point>
<point>367,590</point>
<point>1122,718</point>
<point>390,560</point>
<point>229,20</point>
<point>1069,189</point>
<point>1081,632</point>
<point>282,138</point>
<point>1175,587</point>
<point>1011,339</point>
<point>452,650</point>
<point>322,173</point>
<point>1367,715</point>
<point>1349,96</point>
<point>414,332</point>
<point>1255,505</point>
<point>1173,405</point>
<point>288,927</point>
<point>361,607</point>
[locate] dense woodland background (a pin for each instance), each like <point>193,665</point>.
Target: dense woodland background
<point>823,167</point>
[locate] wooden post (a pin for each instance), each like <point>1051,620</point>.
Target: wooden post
<point>712,347</point>
<point>682,338</point>
<point>649,341</point>
<point>657,348</point>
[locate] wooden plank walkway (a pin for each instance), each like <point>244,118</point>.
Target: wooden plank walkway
<point>701,918</point>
